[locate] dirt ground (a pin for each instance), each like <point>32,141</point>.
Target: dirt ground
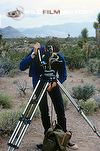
<point>83,135</point>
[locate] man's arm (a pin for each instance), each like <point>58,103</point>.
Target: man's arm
<point>26,62</point>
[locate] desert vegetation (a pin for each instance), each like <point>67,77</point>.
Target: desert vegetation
<point>80,53</point>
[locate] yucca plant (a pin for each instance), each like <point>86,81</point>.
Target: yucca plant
<point>83,92</point>
<point>5,101</point>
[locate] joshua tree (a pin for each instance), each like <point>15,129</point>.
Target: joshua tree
<point>84,34</point>
<point>0,38</point>
<point>95,25</point>
<point>0,43</point>
<point>98,18</point>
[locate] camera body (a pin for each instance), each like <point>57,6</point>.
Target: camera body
<point>50,59</point>
<point>49,48</point>
<point>54,58</point>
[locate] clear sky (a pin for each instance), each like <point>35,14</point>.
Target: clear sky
<point>70,11</point>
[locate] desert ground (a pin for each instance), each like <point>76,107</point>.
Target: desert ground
<point>83,135</point>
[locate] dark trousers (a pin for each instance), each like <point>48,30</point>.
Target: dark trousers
<point>57,101</point>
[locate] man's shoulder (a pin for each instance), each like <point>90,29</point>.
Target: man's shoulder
<point>61,55</point>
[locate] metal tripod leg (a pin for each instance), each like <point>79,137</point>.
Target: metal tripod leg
<point>26,118</point>
<point>78,108</point>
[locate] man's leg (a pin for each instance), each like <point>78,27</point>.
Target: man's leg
<point>57,100</point>
<point>45,113</point>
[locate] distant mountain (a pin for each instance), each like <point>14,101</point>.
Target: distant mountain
<point>10,32</point>
<point>74,29</point>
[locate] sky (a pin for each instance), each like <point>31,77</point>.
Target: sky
<point>70,11</point>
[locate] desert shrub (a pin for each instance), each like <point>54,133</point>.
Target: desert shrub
<point>89,106</point>
<point>8,121</point>
<point>16,56</point>
<point>97,99</point>
<point>5,66</point>
<point>83,92</point>
<point>94,66</point>
<point>74,56</point>
<point>21,87</point>
<point>95,52</point>
<point>80,43</point>
<point>13,72</point>
<point>10,63</point>
<point>5,101</point>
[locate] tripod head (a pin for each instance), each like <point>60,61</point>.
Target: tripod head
<point>49,62</point>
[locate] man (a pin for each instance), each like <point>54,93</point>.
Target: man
<point>35,70</point>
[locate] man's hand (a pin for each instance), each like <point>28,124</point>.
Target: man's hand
<point>51,86</point>
<point>36,46</point>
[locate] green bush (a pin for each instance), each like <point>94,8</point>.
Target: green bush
<point>97,99</point>
<point>94,66</point>
<point>8,121</point>
<point>80,43</point>
<point>83,92</point>
<point>74,56</point>
<point>13,72</point>
<point>95,52</point>
<point>9,65</point>
<point>88,106</point>
<point>5,101</point>
<point>5,66</point>
<point>16,56</point>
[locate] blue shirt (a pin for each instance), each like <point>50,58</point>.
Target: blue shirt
<point>35,69</point>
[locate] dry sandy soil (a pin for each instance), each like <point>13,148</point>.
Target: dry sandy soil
<point>83,135</point>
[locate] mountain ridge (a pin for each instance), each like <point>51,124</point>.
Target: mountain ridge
<point>60,30</point>
<point>10,32</point>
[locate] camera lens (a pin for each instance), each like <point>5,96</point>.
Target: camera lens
<point>49,48</point>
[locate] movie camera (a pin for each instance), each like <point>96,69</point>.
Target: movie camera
<point>51,59</point>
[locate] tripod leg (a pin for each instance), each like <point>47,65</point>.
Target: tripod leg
<point>25,119</point>
<point>78,108</point>
<point>19,124</point>
<point>21,136</point>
